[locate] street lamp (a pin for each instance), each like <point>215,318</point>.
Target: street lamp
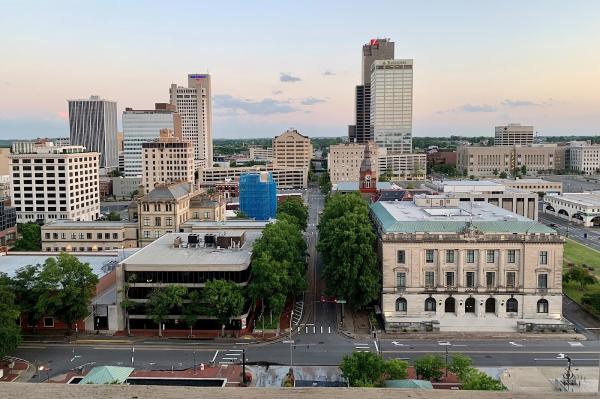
<point>40,369</point>
<point>291,359</point>
<point>446,344</point>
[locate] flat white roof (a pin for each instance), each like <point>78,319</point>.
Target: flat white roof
<point>588,198</point>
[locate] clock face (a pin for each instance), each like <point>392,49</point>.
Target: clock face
<point>368,177</point>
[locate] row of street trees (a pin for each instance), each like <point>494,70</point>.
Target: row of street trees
<point>347,243</point>
<point>279,258</point>
<point>62,288</point>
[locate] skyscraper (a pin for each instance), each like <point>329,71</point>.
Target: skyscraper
<point>93,124</point>
<point>142,126</point>
<point>195,107</point>
<point>391,105</point>
<point>376,49</point>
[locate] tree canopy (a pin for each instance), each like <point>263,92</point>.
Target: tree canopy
<point>347,243</point>
<point>162,300</point>
<point>31,237</point>
<point>429,367</point>
<point>367,369</point>
<point>294,206</point>
<point>10,334</point>
<point>224,300</point>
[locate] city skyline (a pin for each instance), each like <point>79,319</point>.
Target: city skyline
<point>533,64</point>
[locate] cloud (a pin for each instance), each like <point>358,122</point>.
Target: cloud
<point>329,73</point>
<point>288,78</point>
<point>519,103</point>
<point>265,106</point>
<point>471,108</point>
<point>63,115</point>
<point>312,101</point>
<point>277,92</point>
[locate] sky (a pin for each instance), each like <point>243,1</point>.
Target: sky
<point>281,64</point>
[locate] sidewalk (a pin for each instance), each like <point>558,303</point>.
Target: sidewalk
<point>539,379</point>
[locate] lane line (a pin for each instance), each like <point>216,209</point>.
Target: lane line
<point>215,356</point>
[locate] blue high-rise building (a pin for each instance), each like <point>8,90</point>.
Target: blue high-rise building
<point>258,195</point>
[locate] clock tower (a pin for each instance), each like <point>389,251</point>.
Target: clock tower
<point>368,178</point>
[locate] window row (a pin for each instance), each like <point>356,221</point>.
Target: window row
<point>430,305</point>
<point>490,256</point>
<point>470,280</point>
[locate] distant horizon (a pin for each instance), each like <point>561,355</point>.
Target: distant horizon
<point>504,62</point>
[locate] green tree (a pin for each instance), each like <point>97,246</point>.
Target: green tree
<point>325,183</point>
<point>67,287</point>
<point>10,334</point>
<point>367,369</point>
<point>592,300</point>
<point>114,216</point>
<point>270,282</point>
<point>126,303</point>
<point>295,207</point>
<point>524,170</point>
<point>31,237</point>
<point>162,300</point>
<point>224,300</point>
<point>495,172</point>
<point>27,292</point>
<point>460,365</point>
<point>479,381</point>
<point>503,175</point>
<point>347,243</point>
<point>240,215</point>
<point>429,367</point>
<point>581,275</point>
<point>192,309</point>
<point>448,170</point>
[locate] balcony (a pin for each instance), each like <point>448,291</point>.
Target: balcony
<point>514,288</point>
<point>430,288</point>
<point>451,288</point>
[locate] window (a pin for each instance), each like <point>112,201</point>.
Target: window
<point>401,305</point>
<point>401,256</point>
<point>490,256</point>
<point>157,234</point>
<point>429,279</point>
<point>146,234</point>
<point>512,306</point>
<point>512,256</point>
<point>48,322</point>
<point>490,279</point>
<point>430,305</point>
<point>429,256</point>
<point>450,256</point>
<point>470,279</point>
<point>157,221</point>
<point>542,281</point>
<point>542,306</point>
<point>146,207</point>
<point>543,257</point>
<point>146,221</point>
<point>99,236</point>
<point>115,236</point>
<point>73,236</point>
<point>470,256</point>
<point>510,279</point>
<point>450,279</point>
<point>107,236</point>
<point>401,280</point>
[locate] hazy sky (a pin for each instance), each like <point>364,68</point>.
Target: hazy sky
<point>278,64</point>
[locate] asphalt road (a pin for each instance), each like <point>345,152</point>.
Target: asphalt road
<point>575,231</point>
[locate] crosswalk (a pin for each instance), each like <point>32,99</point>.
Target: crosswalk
<point>229,356</point>
<point>363,347</point>
<point>314,329</point>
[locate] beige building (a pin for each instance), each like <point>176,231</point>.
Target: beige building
<point>584,157</point>
<point>4,161</point>
<point>168,159</point>
<point>343,163</point>
<point>513,134</point>
<point>285,177</point>
<point>259,153</point>
<point>533,185</point>
<point>168,206</point>
<point>51,183</point>
<point>69,236</point>
<point>492,161</point>
<point>464,266</point>
<point>581,208</point>
<point>291,149</point>
<point>521,202</point>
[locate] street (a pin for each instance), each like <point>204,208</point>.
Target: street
<point>572,230</point>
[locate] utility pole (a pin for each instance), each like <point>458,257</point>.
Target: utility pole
<point>291,356</point>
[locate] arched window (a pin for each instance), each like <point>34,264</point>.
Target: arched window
<point>401,305</point>
<point>512,306</point>
<point>430,305</point>
<point>542,306</point>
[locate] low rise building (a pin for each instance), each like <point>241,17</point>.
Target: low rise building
<point>521,202</point>
<point>261,154</point>
<point>126,187</point>
<point>189,260</point>
<point>403,166</point>
<point>285,177</point>
<point>70,236</point>
<point>513,134</point>
<point>582,208</point>
<point>465,265</point>
<point>510,159</point>
<point>533,185</point>
<point>437,156</point>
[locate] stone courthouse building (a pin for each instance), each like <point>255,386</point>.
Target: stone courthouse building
<point>461,265</point>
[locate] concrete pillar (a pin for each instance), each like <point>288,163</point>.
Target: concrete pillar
<point>501,265</point>
<point>480,263</point>
<point>459,268</point>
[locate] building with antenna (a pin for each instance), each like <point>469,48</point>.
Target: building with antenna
<point>460,266</point>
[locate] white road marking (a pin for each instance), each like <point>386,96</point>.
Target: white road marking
<point>515,344</point>
<point>230,358</point>
<point>236,350</point>
<point>575,343</point>
<point>215,356</point>
<point>376,347</point>
<point>397,343</point>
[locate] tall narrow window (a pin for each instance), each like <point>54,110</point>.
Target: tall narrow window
<point>401,256</point>
<point>543,257</point>
<point>470,279</point>
<point>490,256</point>
<point>512,256</point>
<point>429,279</point>
<point>400,280</point>
<point>490,279</point>
<point>450,256</point>
<point>470,256</point>
<point>510,279</point>
<point>450,279</point>
<point>429,256</point>
<point>543,280</point>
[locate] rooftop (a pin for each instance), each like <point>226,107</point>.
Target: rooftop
<point>354,186</point>
<point>407,217</point>
<point>88,225</point>
<point>169,192</point>
<point>587,198</point>
<point>162,252</point>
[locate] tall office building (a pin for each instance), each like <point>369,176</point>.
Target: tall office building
<point>391,105</point>
<point>142,126</point>
<point>93,125</point>
<point>194,105</point>
<point>376,49</point>
<point>513,134</point>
